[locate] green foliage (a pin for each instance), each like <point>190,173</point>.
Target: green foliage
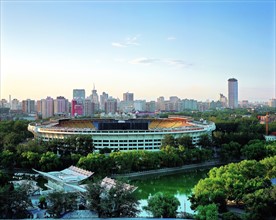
<point>205,141</point>
<point>14,202</point>
<point>270,166</point>
<point>60,203</point>
<point>230,216</point>
<point>254,150</point>
<point>207,212</point>
<point>7,159</point>
<point>162,206</point>
<point>231,151</point>
<point>115,202</point>
<point>261,203</point>
<point>105,150</point>
<point>168,140</point>
<point>242,182</point>
<point>185,141</point>
<point>49,161</point>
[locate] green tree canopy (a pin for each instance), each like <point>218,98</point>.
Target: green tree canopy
<point>118,201</point>
<point>162,206</point>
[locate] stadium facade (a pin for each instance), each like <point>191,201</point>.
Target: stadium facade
<point>124,135</point>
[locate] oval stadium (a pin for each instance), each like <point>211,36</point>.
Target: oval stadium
<point>123,135</point>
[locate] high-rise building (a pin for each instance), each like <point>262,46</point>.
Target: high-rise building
<point>111,106</point>
<point>61,106</point>
<point>139,105</point>
<point>47,107</point>
<point>89,108</point>
<point>223,100</point>
<point>272,103</point>
<point>103,99</point>
<point>151,106</point>
<point>76,109</point>
<point>95,99</point>
<point>232,93</point>
<point>78,94</point>
<point>15,104</point>
<point>28,106</point>
<point>128,97</point>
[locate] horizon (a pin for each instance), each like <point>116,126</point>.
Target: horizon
<point>152,49</point>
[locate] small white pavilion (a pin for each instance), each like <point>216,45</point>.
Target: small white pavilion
<point>67,180</point>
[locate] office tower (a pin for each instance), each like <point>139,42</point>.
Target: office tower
<point>111,106</point>
<point>76,108</point>
<point>223,100</point>
<point>4,103</point>
<point>15,104</point>
<point>103,99</point>
<point>188,104</point>
<point>232,93</point>
<point>160,105</point>
<point>39,107</point>
<point>139,105</point>
<point>61,106</point>
<point>272,103</point>
<point>47,107</point>
<point>151,106</point>
<point>10,101</point>
<point>28,106</point>
<point>95,99</point>
<point>128,97</point>
<point>78,94</point>
<point>89,108</point>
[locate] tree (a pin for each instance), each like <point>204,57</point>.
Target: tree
<point>230,151</point>
<point>261,203</point>
<point>7,159</point>
<point>60,202</point>
<point>207,212</point>
<point>49,161</point>
<point>14,202</point>
<point>168,140</point>
<point>254,151</point>
<point>118,201</point>
<point>162,206</point>
<point>185,141</point>
<point>205,141</point>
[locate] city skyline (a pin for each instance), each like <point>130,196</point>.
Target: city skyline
<point>185,49</point>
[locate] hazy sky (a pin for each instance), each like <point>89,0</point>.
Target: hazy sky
<point>187,49</point>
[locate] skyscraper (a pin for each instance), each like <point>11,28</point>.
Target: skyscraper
<point>128,97</point>
<point>47,107</point>
<point>111,106</point>
<point>61,106</point>
<point>232,93</point>
<point>95,99</point>
<point>79,95</point>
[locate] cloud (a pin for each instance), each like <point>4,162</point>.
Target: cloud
<point>178,62</point>
<point>144,60</point>
<point>132,41</point>
<point>129,41</point>
<point>172,62</point>
<point>116,44</point>
<point>171,38</point>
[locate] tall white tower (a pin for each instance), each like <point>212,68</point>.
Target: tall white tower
<point>232,93</point>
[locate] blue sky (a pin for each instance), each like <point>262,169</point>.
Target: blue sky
<point>187,49</point>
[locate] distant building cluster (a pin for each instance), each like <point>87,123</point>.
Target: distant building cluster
<point>89,105</point>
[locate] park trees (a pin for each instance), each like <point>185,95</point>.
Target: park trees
<point>117,201</point>
<point>230,151</point>
<point>207,212</point>
<point>59,202</point>
<point>162,206</point>
<point>14,201</point>
<point>241,183</point>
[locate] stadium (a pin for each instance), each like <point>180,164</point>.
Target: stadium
<point>124,135</point>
